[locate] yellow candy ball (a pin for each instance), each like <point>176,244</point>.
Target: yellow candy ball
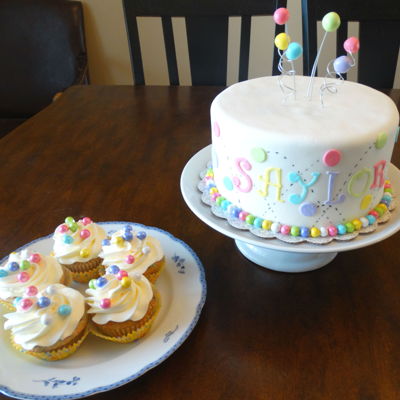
<point>315,232</point>
<point>125,282</point>
<point>282,41</point>
<point>357,224</point>
<point>383,206</point>
<point>84,253</point>
<point>119,240</point>
<point>213,190</point>
<point>266,224</point>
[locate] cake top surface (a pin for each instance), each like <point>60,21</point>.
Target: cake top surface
<point>258,106</point>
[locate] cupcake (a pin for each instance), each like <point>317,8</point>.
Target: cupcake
<point>26,269</point>
<point>50,324</point>
<point>77,246</point>
<point>123,308</point>
<point>134,252</point>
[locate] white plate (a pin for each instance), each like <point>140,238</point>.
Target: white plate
<point>191,176</point>
<point>99,365</point>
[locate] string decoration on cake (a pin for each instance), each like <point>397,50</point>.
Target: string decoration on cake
<point>288,52</point>
<point>339,66</point>
<point>330,23</point>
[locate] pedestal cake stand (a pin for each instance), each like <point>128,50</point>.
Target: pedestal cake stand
<point>273,253</point>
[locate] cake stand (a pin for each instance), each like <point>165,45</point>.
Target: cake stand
<point>273,253</point>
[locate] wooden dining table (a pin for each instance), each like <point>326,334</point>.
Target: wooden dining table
<point>116,153</point>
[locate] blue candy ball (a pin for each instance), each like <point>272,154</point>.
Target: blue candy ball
<point>105,242</point>
<point>64,310</point>
<point>113,269</point>
<point>13,266</point>
<point>3,273</point>
<point>100,282</point>
<point>342,64</point>
<point>371,219</point>
<point>68,239</point>
<point>258,222</point>
<point>294,51</point>
<point>128,227</point>
<point>235,212</point>
<point>16,301</point>
<point>225,204</point>
<point>43,302</point>
<point>304,231</point>
<point>341,229</point>
<point>127,235</point>
<point>141,235</point>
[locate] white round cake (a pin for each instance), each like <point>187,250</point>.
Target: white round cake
<point>297,164</point>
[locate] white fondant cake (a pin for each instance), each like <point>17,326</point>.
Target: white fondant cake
<point>298,163</point>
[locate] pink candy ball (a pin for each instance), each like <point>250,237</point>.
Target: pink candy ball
<point>86,221</point>
<point>351,45</point>
<point>121,274</point>
<point>332,230</point>
<point>285,229</point>
<point>23,276</point>
<point>130,259</point>
<point>215,196</point>
<point>84,233</point>
<point>25,304</point>
<point>374,213</point>
<point>281,16</point>
<point>62,228</point>
<point>105,303</point>
<point>35,258</point>
<point>31,291</point>
<point>243,215</point>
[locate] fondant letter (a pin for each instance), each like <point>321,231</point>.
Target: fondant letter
<point>378,174</point>
<point>248,185</point>
<point>356,177</point>
<point>295,177</point>
<point>331,184</point>
<point>267,182</point>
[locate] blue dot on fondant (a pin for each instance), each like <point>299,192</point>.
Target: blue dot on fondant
<point>228,183</point>
<point>308,209</point>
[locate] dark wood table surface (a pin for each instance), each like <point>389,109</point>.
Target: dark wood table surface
<point>116,153</point>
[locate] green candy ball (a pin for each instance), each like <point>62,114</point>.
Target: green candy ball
<point>331,21</point>
<point>25,264</point>
<point>73,227</point>
<point>69,221</point>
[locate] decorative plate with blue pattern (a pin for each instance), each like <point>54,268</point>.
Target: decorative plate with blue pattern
<point>182,286</point>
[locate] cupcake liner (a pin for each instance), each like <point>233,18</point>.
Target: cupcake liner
<point>57,354</point>
<point>84,272</point>
<point>123,333</point>
<point>154,271</point>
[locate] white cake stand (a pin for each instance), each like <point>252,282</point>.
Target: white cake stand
<point>273,253</point>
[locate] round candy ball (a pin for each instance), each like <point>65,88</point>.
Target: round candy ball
<point>64,310</point>
<point>84,234</point>
<point>281,16</point>
<point>35,258</point>
<point>86,221</point>
<point>113,269</point>
<point>127,235</point>
<point>3,273</point>
<point>100,282</point>
<point>43,302</point>
<point>84,253</point>
<point>141,235</point>
<point>92,284</point>
<point>31,290</point>
<point>62,228</point>
<point>125,282</point>
<point>331,22</point>
<point>23,276</point>
<point>282,41</point>
<point>69,221</point>
<point>106,242</point>
<point>294,51</point>
<point>121,274</point>
<point>105,303</point>
<point>130,259</point>
<point>351,45</point>
<point>25,304</point>
<point>67,239</point>
<point>13,266</point>
<point>342,64</point>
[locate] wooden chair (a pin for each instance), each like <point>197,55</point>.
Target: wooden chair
<point>207,34</point>
<point>379,36</point>
<point>43,51</point>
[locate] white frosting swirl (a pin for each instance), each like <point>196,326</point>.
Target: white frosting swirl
<point>41,274</point>
<point>45,326</point>
<point>145,252</point>
<point>129,303</point>
<point>69,253</point>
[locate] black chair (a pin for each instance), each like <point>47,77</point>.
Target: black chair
<point>43,51</point>
<point>379,36</point>
<point>207,34</point>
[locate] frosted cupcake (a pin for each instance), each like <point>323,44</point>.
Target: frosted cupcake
<point>50,324</point>
<point>77,246</point>
<point>26,269</point>
<point>134,252</point>
<point>123,308</point>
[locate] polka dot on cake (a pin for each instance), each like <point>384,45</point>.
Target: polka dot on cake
<point>258,154</point>
<point>216,130</point>
<point>228,183</point>
<point>381,140</point>
<point>331,157</point>
<point>308,209</point>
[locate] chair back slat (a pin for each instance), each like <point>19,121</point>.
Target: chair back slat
<point>207,25</point>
